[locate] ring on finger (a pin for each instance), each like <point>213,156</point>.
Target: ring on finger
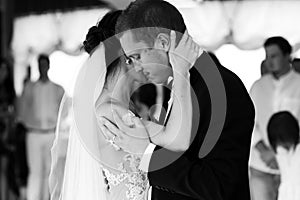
<point>111,142</point>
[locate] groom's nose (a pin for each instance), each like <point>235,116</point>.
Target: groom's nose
<point>138,68</point>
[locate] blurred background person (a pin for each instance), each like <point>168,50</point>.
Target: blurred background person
<point>264,68</point>
<point>277,91</point>
<point>20,157</point>
<point>39,110</point>
<point>27,78</point>
<point>283,134</point>
<point>7,108</point>
<point>296,64</point>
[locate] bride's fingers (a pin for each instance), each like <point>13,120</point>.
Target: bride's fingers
<point>185,37</point>
<point>196,47</point>
<point>172,40</point>
<point>189,42</point>
<point>118,143</point>
<point>183,40</point>
<point>108,135</point>
<point>199,50</point>
<point>114,140</point>
<point>120,122</point>
<point>109,125</point>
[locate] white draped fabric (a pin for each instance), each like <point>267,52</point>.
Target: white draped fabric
<point>246,24</point>
<point>255,21</point>
<point>46,33</point>
<point>250,22</point>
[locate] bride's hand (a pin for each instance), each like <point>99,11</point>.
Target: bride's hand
<point>183,56</point>
<point>133,139</point>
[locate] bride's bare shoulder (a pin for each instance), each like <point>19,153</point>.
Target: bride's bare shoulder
<point>106,108</point>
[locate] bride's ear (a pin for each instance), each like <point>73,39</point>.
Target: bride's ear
<point>162,42</point>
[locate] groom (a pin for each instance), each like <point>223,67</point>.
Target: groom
<point>215,166</point>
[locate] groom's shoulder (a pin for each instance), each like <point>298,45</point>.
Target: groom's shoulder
<point>232,82</point>
<point>230,75</point>
<point>206,68</point>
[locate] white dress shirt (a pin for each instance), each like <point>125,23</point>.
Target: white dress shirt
<point>40,104</point>
<point>272,95</point>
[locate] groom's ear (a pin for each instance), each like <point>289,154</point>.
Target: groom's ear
<point>162,41</point>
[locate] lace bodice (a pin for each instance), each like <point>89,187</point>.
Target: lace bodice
<point>129,176</point>
<point>127,181</point>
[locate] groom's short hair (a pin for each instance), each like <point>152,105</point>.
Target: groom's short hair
<point>147,18</point>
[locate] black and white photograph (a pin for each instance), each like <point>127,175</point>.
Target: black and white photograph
<point>150,100</point>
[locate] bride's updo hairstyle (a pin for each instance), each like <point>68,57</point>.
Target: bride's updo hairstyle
<point>104,32</point>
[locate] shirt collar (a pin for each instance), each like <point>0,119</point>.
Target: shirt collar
<point>285,76</point>
<point>170,79</point>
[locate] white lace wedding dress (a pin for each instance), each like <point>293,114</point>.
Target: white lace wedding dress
<point>87,179</point>
<point>93,169</point>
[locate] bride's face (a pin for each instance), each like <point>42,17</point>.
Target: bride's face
<point>137,76</point>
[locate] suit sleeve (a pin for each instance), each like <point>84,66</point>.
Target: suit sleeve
<point>257,135</point>
<point>223,173</point>
<point>214,177</point>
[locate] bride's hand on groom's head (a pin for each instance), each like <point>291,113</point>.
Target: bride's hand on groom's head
<point>183,56</point>
<point>132,139</point>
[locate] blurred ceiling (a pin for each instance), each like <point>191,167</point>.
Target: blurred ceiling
<point>25,7</point>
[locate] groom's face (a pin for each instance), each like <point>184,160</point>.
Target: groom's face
<point>153,62</point>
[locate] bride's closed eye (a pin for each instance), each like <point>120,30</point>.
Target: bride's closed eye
<point>128,60</point>
<point>132,58</point>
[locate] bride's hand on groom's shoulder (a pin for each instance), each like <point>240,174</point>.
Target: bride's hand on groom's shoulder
<point>132,139</point>
<point>183,56</point>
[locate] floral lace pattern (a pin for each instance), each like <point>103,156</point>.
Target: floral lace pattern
<point>136,180</point>
<point>133,179</point>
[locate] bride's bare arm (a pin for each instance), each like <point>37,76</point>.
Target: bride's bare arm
<point>106,110</point>
<point>176,134</point>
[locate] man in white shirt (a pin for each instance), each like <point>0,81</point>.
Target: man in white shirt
<point>39,111</point>
<point>277,91</point>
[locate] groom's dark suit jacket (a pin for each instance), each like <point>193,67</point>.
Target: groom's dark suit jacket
<point>223,173</point>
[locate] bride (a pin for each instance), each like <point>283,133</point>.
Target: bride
<point>96,168</point>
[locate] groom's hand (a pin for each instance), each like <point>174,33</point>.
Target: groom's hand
<point>133,139</point>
